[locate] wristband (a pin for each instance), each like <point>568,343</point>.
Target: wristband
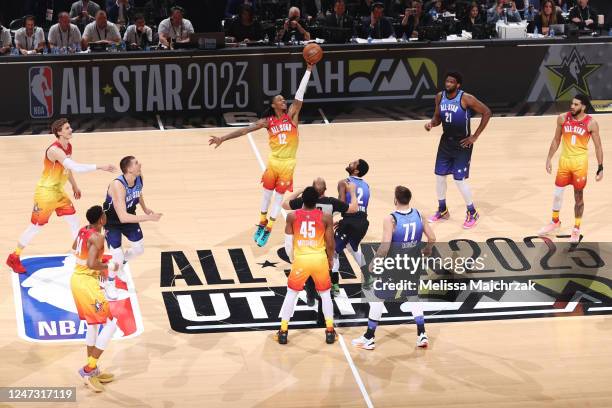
<point>599,169</point>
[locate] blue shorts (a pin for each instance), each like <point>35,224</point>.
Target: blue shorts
<point>114,232</point>
<point>453,159</point>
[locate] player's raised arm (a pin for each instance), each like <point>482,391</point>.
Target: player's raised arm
<point>296,106</point>
<point>436,119</point>
<point>330,243</point>
<point>554,144</point>
<point>117,192</point>
<point>55,154</point>
<point>354,205</point>
<point>471,102</point>
<point>289,235</point>
<point>594,129</point>
<point>259,124</point>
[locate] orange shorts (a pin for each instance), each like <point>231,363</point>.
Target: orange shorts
<point>46,201</point>
<point>279,175</point>
<point>572,170</point>
<point>89,298</point>
<point>314,265</point>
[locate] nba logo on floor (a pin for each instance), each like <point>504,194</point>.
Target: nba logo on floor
<point>45,308</point>
<point>41,92</point>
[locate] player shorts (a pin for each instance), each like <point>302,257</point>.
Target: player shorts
<point>453,160</point>
<point>351,230</point>
<point>572,170</point>
<point>304,266</point>
<point>114,232</point>
<point>89,298</point>
<point>48,200</point>
<point>279,175</point>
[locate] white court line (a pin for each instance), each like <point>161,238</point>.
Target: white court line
<point>159,122</point>
<point>349,359</point>
<point>324,117</point>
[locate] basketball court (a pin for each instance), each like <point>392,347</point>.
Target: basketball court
<point>210,201</point>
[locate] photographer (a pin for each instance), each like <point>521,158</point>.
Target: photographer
<point>413,19</point>
<point>376,26</point>
<point>138,35</point>
<point>293,28</point>
<point>503,8</point>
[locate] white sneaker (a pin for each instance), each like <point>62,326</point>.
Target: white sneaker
<point>422,340</point>
<point>575,237</point>
<point>549,228</point>
<point>363,343</point>
<point>110,290</point>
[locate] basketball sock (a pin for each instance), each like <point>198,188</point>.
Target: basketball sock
<point>555,216</point>
<point>28,235</point>
<point>136,249</point>
<point>441,187</point>
<point>557,200</point>
<point>277,201</point>
<point>270,224</point>
<point>91,364</point>
<point>91,335</point>
<point>265,200</point>
<point>17,251</point>
<point>370,331</point>
<point>73,222</point>
<point>284,325</point>
<point>263,218</point>
<point>442,206</point>
<point>288,305</point>
<point>466,192</point>
<point>420,322</point>
<point>471,209</point>
<point>577,222</point>
<point>106,334</point>
<point>327,307</point>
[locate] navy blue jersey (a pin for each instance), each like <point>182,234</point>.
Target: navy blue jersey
<point>132,198</point>
<point>455,119</point>
<point>408,228</point>
<point>362,191</point>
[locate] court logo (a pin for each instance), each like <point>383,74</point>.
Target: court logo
<point>573,72</point>
<point>45,308</point>
<point>41,92</point>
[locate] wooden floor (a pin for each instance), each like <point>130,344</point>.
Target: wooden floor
<point>210,200</point>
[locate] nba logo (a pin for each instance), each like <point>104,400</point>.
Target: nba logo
<point>45,308</point>
<point>41,92</point>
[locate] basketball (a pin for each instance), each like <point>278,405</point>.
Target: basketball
<point>312,53</point>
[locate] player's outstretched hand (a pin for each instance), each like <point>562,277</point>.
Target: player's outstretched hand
<point>468,141</point>
<point>108,167</point>
<point>309,67</point>
<point>548,166</point>
<point>215,140</point>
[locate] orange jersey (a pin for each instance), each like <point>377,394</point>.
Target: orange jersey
<point>575,136</point>
<point>82,252</point>
<point>308,232</point>
<point>283,137</point>
<point>54,174</point>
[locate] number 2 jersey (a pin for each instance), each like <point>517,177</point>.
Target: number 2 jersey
<point>283,137</point>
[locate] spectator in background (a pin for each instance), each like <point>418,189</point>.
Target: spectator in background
<point>293,28</point>
<point>548,16</point>
<point>436,10</point>
<point>30,39</point>
<point>414,18</point>
<point>233,7</point>
<point>64,34</point>
<point>5,40</point>
<point>583,15</point>
<point>245,28</point>
<point>101,31</point>
<point>83,12</point>
<point>175,28</point>
<point>315,9</point>
<point>120,13</point>
<point>473,17</point>
<point>376,26</point>
<point>339,18</point>
<point>138,35</point>
<point>365,8</point>
<point>530,14</point>
<point>562,5</point>
<point>496,13</point>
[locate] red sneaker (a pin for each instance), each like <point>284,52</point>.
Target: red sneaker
<point>106,258</point>
<point>15,263</point>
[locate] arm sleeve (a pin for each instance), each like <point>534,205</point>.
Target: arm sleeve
<point>289,246</point>
<point>299,94</point>
<point>296,203</point>
<point>77,167</point>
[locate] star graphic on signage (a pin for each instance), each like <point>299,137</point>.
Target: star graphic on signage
<point>108,90</point>
<point>573,72</point>
<point>267,263</point>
